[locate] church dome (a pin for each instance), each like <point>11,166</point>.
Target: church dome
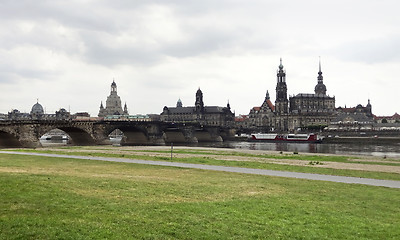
<point>320,88</point>
<point>37,109</point>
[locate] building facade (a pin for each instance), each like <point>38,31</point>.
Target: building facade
<point>113,104</point>
<point>353,118</point>
<point>262,117</point>
<point>312,110</point>
<point>37,113</point>
<point>205,115</point>
<point>298,112</point>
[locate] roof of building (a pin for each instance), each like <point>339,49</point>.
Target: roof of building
<point>270,105</point>
<point>188,110</point>
<point>394,116</point>
<point>241,118</point>
<point>311,95</point>
<point>356,117</point>
<point>347,110</point>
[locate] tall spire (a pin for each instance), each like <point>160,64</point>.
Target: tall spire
<point>320,77</point>
<point>126,109</point>
<point>320,88</point>
<point>320,63</point>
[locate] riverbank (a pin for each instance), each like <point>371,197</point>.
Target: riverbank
<point>349,162</point>
<point>53,198</point>
<point>330,164</point>
<point>363,140</point>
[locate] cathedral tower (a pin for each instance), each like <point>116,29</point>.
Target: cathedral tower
<point>320,88</point>
<point>281,102</point>
<point>199,104</point>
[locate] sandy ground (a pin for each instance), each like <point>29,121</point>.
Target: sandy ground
<point>147,151</point>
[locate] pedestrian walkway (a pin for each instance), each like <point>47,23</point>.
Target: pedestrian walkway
<point>310,176</point>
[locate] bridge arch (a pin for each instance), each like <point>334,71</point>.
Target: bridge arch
<point>77,135</point>
<point>8,140</point>
<point>131,135</point>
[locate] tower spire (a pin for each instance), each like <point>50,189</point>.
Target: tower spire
<point>320,88</point>
<point>320,77</point>
<point>320,63</point>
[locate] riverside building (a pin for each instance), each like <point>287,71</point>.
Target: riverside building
<point>205,115</point>
<point>298,112</point>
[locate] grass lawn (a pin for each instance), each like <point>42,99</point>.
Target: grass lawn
<point>56,198</point>
<point>205,158</point>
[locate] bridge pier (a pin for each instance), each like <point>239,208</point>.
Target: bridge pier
<point>28,136</point>
<point>209,134</point>
<point>139,138</point>
<point>183,135</point>
<point>227,134</point>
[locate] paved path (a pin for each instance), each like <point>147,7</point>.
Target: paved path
<point>310,176</point>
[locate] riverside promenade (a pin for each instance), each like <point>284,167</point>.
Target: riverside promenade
<point>309,176</point>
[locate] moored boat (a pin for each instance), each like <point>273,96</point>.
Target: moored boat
<point>311,137</point>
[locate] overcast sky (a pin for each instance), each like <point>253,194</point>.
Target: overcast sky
<point>67,53</point>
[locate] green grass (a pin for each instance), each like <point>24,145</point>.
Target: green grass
<point>298,156</point>
<point>245,164</point>
<point>306,157</point>
<point>56,198</point>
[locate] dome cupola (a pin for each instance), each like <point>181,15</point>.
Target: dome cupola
<point>37,109</point>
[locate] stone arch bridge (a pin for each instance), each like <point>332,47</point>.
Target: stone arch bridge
<point>27,133</point>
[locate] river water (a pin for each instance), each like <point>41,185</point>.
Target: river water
<point>379,150</point>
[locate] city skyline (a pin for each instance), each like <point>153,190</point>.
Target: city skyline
<point>67,54</point>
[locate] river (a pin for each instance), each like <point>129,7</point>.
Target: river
<point>379,150</point>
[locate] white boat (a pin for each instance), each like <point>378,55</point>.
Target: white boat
<point>311,137</point>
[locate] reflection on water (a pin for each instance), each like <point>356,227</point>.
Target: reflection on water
<point>392,150</point>
<point>50,143</point>
<point>348,149</point>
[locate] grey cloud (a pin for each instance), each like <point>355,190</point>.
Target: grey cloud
<point>68,13</point>
<point>13,74</point>
<point>100,49</point>
<point>201,42</point>
<point>94,28</point>
<point>378,50</point>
